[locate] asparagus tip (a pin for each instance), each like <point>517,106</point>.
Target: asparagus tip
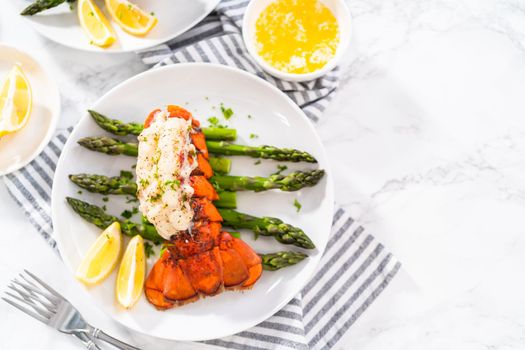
<point>279,260</point>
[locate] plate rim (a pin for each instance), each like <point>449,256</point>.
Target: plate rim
<point>329,193</point>
<point>55,115</point>
<point>92,48</point>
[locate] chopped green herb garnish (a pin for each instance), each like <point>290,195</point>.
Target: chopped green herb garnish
<point>280,169</point>
<point>155,197</point>
<point>133,166</point>
<point>164,247</point>
<point>91,13</point>
<point>226,112</point>
<point>213,121</point>
<point>148,249</point>
<point>152,13</point>
<point>104,207</point>
<point>131,199</point>
<point>105,199</point>
<point>126,214</point>
<point>79,192</point>
<point>144,182</point>
<point>257,162</point>
<point>126,174</point>
<point>254,136</point>
<point>172,183</point>
<point>297,205</point>
<point>235,234</point>
<point>134,210</point>
<point>249,116</point>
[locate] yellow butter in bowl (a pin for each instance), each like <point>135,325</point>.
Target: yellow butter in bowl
<point>297,36</point>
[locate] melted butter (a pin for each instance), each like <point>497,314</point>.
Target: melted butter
<point>297,36</point>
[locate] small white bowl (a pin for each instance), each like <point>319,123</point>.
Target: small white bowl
<point>340,11</point>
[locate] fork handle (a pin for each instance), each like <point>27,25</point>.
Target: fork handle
<point>87,341</point>
<point>99,334</point>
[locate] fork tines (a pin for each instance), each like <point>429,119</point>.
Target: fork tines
<point>29,290</point>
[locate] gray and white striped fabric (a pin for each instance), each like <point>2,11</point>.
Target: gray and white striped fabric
<point>354,269</point>
<point>218,39</point>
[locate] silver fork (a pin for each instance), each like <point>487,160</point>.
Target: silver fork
<point>51,308</point>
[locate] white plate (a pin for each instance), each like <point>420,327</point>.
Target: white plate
<point>18,149</point>
<point>175,17</point>
<point>276,119</point>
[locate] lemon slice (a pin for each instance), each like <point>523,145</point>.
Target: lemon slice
<point>131,273</point>
<point>15,101</point>
<point>101,257</point>
<point>130,17</point>
<point>95,24</point>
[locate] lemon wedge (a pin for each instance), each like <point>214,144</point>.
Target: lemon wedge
<point>95,24</point>
<point>15,101</point>
<point>101,257</point>
<point>131,274</point>
<point>130,17</point>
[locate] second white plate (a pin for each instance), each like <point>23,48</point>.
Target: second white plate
<point>61,24</point>
<point>19,148</point>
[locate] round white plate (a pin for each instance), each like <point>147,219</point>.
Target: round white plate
<point>18,149</point>
<point>276,120</point>
<point>61,24</point>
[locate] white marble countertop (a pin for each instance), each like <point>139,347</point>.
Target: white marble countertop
<point>427,142</point>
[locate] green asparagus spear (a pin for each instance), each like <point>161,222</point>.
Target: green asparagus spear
<point>109,145</point>
<point>291,182</point>
<point>220,165</point>
<point>124,184</point>
<point>276,261</point>
<point>116,126</point>
<point>120,128</point>
<point>227,200</point>
<point>41,5</point>
<point>265,152</point>
<point>267,226</point>
<point>220,134</point>
<point>105,184</point>
<point>112,146</point>
<point>101,219</point>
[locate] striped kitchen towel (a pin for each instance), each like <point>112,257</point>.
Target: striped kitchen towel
<point>218,39</point>
<point>354,269</point>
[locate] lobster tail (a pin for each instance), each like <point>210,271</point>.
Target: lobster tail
<point>201,261</point>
